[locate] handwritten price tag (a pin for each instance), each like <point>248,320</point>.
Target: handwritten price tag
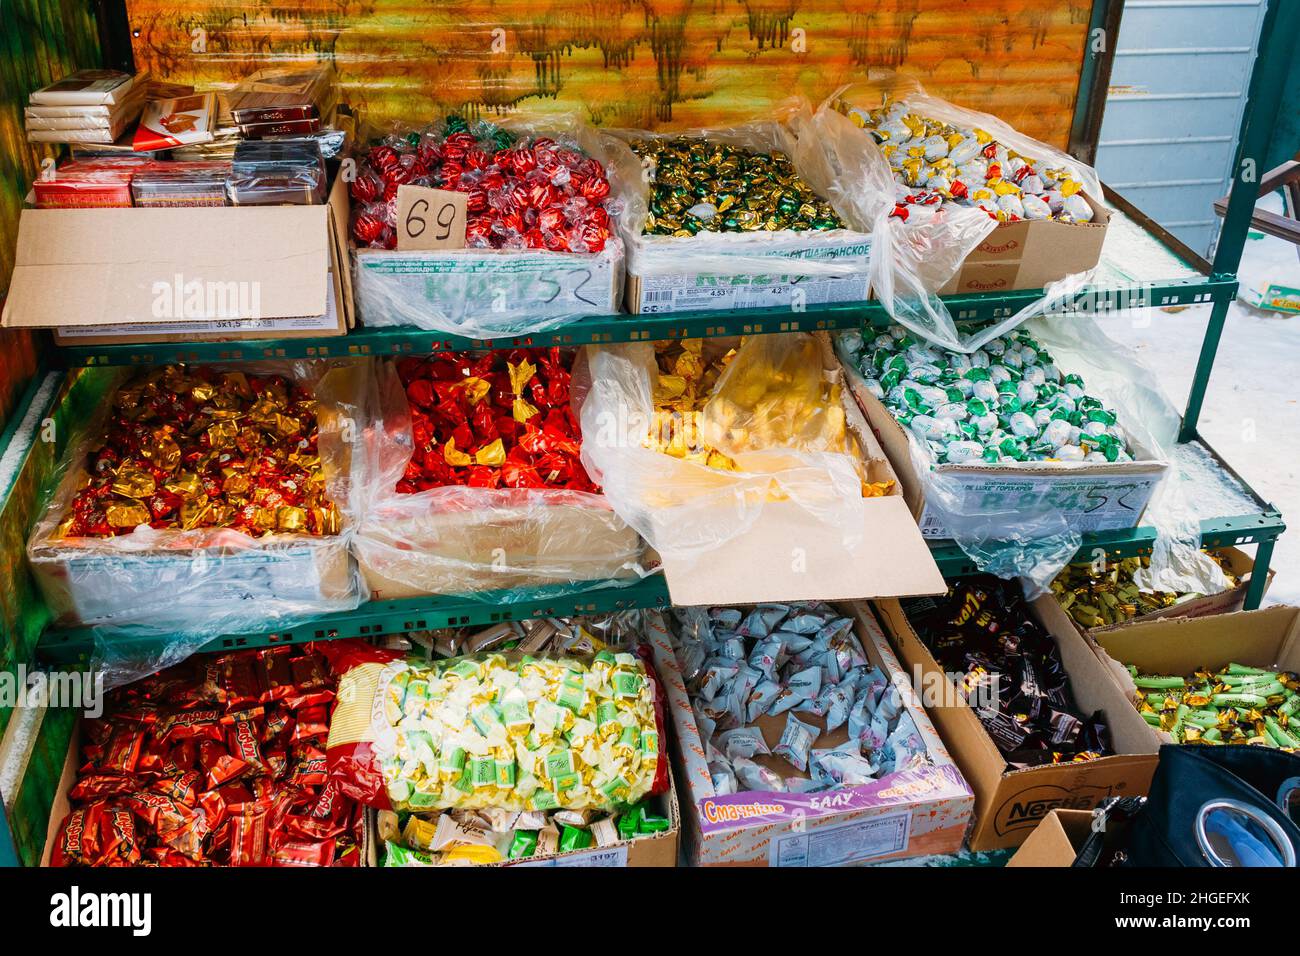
<point>430,218</point>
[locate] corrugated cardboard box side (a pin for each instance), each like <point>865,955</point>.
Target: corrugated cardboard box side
<point>1056,841</point>
<point>927,812</point>
<point>1094,496</point>
<point>1269,637</point>
<point>1009,803</point>
<point>162,275</point>
<point>1031,253</point>
<point>1223,602</point>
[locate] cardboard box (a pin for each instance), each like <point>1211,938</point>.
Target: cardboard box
<point>209,575</point>
<point>404,555</point>
<point>651,849</point>
<point>61,806</point>
<point>1094,496</point>
<point>111,276</point>
<point>1181,646</point>
<point>1031,253</point>
<point>911,813</point>
<point>790,555</point>
<point>1009,803</point>
<point>1224,602</point>
<point>1056,841</point>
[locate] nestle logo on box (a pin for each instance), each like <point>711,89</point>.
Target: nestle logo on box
<point>986,286</point>
<point>1005,247</point>
<point>1025,809</point>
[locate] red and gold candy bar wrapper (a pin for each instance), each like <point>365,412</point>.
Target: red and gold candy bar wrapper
<point>221,785</point>
<point>183,121</point>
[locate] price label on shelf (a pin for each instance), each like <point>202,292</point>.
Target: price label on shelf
<point>430,218</point>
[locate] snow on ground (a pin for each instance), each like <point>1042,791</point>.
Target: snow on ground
<point>1251,415</point>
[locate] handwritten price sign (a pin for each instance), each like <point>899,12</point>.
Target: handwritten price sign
<point>430,218</point>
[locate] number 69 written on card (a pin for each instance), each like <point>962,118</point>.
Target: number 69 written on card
<point>430,218</point>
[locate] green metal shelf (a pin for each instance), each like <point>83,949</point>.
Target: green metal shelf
<point>374,618</point>
<point>598,330</point>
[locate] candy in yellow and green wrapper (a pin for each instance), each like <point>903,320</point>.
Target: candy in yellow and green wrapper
<point>1238,704</point>
<point>517,732</point>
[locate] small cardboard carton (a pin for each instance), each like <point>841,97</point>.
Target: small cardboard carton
<point>1223,602</point>
<point>909,813</point>
<point>1181,646</point>
<point>649,849</point>
<point>789,554</point>
<point>1009,803</point>
<point>1093,496</point>
<point>1056,841</point>
<point>1030,254</point>
<point>140,275</point>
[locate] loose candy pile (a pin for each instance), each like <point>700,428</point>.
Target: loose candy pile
<point>492,420</point>
<point>1096,599</point>
<point>683,387</point>
<point>936,163</point>
<point>548,635</point>
<point>1235,705</point>
<point>523,734</point>
<point>744,665</point>
<point>189,447</point>
<point>530,193</point>
<point>1015,680</point>
<point>1006,402</point>
<point>701,186</point>
<point>475,837</point>
<point>218,761</point>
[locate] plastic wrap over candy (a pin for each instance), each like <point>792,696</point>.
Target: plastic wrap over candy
<point>1011,537</point>
<point>541,244</point>
<point>508,505</point>
<point>760,251</point>
<point>141,562</point>
<point>920,240</point>
<point>689,504</point>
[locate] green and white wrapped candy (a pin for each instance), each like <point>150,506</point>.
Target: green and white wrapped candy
<point>1004,403</point>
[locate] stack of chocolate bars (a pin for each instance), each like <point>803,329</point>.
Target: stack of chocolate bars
<point>90,106</point>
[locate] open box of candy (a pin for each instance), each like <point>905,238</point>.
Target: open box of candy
<point>204,500</point>
<point>475,483</point>
<point>801,739</point>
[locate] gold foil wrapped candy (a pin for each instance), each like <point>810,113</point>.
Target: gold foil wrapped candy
<point>1097,598</point>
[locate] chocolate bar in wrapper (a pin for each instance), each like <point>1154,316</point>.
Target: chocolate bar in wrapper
<point>276,96</point>
<point>181,184</point>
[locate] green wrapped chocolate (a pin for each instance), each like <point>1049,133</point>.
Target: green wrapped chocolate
<point>523,844</point>
<point>572,838</point>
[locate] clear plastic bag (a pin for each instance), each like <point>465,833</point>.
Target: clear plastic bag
<point>787,254</point>
<point>1010,537</point>
<point>486,292</point>
<point>684,508</point>
<point>913,260</point>
<point>466,540</point>
<point>152,597</point>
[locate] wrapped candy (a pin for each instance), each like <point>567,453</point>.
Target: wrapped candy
<point>764,396</point>
<point>1112,596</point>
<point>219,761</point>
<point>1236,704</point>
<point>702,186</point>
<point>793,674</point>
<point>191,448</point>
<point>515,732</point>
<point>1006,402</point>
<point>532,193</point>
<point>492,420</point>
<point>937,163</point>
<point>1014,678</point>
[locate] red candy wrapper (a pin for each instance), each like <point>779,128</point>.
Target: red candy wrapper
<point>180,771</point>
<point>531,193</point>
<point>492,420</point>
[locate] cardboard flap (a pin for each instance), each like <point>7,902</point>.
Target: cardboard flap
<point>112,266</point>
<point>787,556</point>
